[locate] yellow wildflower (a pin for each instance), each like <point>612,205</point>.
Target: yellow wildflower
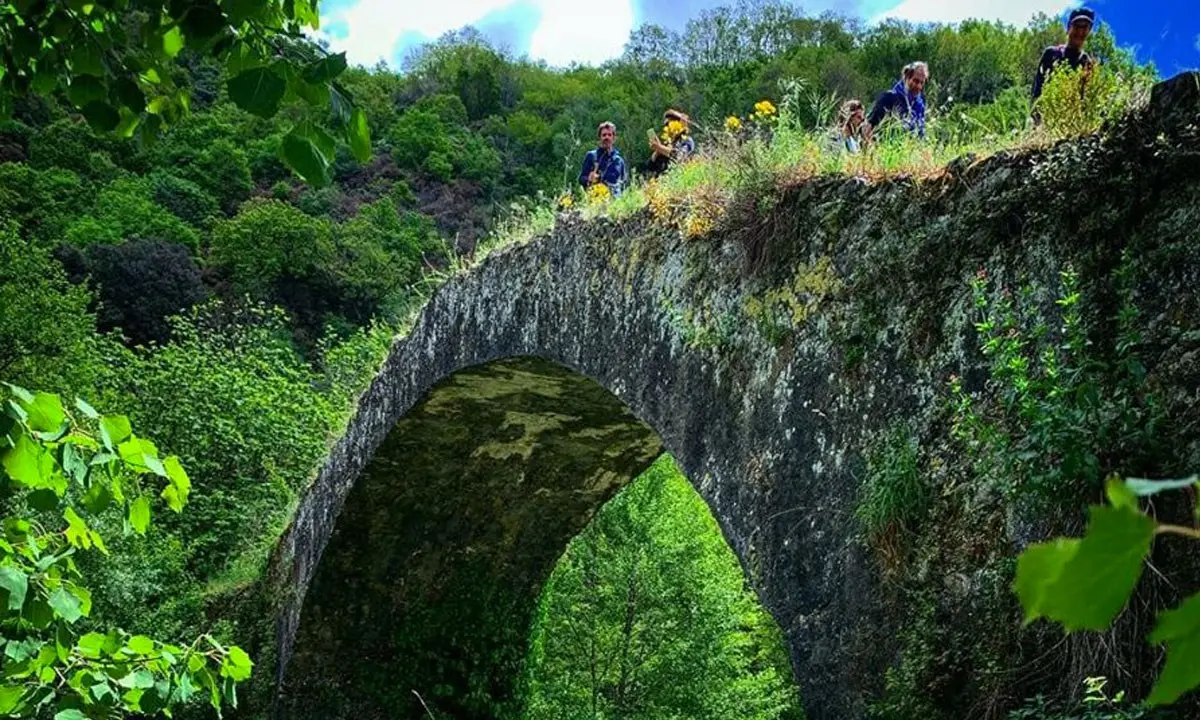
<point>566,201</point>
<point>733,123</point>
<point>598,193</point>
<point>764,108</point>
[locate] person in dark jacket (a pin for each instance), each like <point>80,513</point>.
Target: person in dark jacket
<point>905,101</point>
<point>604,164</point>
<point>674,144</point>
<point>1079,26</point>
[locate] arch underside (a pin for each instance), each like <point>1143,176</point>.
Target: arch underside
<point>432,574</point>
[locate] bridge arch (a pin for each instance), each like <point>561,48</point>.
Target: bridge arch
<point>550,395</point>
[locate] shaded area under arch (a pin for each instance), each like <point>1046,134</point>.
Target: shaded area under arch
<point>431,577</point>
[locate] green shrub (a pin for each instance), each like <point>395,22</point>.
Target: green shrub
<point>894,497</point>
<point>269,239</point>
<point>184,199</point>
<point>1064,417</point>
<point>1078,101</point>
<point>125,210</point>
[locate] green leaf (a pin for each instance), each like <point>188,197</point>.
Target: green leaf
<point>140,645</point>
<point>1038,568</point>
<point>92,645</point>
<point>17,585</point>
<point>1144,488</point>
<point>1119,495</point>
<point>172,42</point>
<point>326,69</point>
<point>303,157</point>
<point>258,91</point>
<point>42,500</point>
<point>88,411</point>
<point>176,493</point>
<point>130,95</point>
<point>101,116</point>
<point>141,456</point>
<point>1180,630</point>
<point>78,533</point>
<point>31,465</point>
<point>237,664</point>
<point>358,135</point>
<point>97,498</point>
<point>114,429</point>
<point>137,679</point>
<point>66,605</point>
<point>46,413</point>
<point>70,714</point>
<point>139,515</point>
<point>86,58</point>
<point>1084,583</point>
<point>10,698</point>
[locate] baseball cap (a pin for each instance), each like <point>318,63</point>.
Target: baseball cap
<point>1083,13</point>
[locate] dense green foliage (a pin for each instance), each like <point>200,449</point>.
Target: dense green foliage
<point>647,615</point>
<point>57,466</point>
<point>158,255</point>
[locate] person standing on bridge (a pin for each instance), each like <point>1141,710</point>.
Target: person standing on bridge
<point>1079,26</point>
<point>604,164</point>
<point>904,102</point>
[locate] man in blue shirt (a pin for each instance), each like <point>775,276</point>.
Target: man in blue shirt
<point>604,164</point>
<point>905,101</point>
<point>1079,26</point>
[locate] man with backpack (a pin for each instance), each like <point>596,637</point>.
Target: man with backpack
<point>1079,26</point>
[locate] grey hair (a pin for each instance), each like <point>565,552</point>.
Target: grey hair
<point>606,124</point>
<point>912,68</point>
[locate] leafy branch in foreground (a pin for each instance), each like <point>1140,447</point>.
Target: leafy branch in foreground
<point>114,62</point>
<point>1084,583</point>
<point>62,474</point>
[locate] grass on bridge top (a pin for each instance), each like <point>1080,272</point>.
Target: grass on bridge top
<point>771,151</point>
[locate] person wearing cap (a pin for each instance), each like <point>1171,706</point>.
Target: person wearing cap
<point>1079,26</point>
<point>604,164</point>
<point>905,101</point>
<point>674,144</point>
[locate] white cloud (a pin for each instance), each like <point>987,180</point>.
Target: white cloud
<point>567,31</point>
<point>1016,12</point>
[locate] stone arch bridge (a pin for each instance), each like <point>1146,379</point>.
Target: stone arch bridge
<point>766,358</point>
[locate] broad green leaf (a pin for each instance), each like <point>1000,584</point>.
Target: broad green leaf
<point>142,456</point>
<point>358,134</point>
<point>176,493</point>
<point>83,595</point>
<point>1180,630</point>
<point>172,42</point>
<point>1145,488</point>
<point>137,679</point>
<point>1119,495</point>
<point>66,605</point>
<point>303,157</point>
<point>326,69</point>
<point>257,90</point>
<point>46,413</point>
<point>1096,581</point>
<point>88,411</point>
<point>70,714</point>
<point>114,429</point>
<point>139,515</point>
<point>101,116</point>
<point>140,644</point>
<point>17,584</point>
<point>320,139</point>
<point>77,532</point>
<point>97,498</point>
<point>31,465</point>
<point>237,664</point>
<point>91,645</point>
<point>86,58</point>
<point>10,698</point>
<point>1038,569</point>
<point>42,500</point>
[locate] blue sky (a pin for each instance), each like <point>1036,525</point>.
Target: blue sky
<point>591,31</point>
